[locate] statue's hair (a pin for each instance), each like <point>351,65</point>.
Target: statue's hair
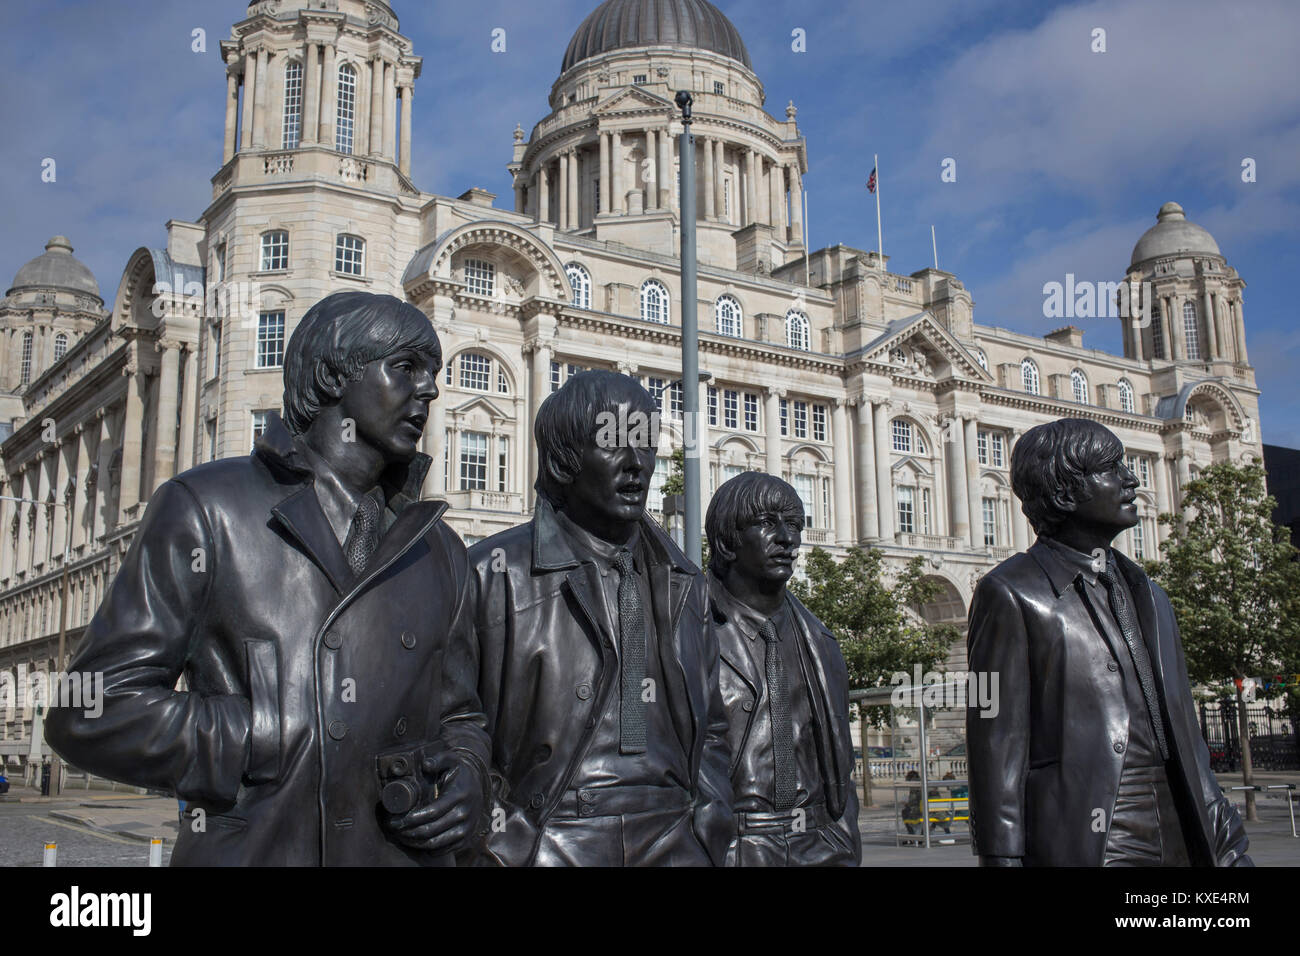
<point>337,338</point>
<point>1058,457</point>
<point>738,503</point>
<point>568,419</point>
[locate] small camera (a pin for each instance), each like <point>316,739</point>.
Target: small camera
<point>403,785</point>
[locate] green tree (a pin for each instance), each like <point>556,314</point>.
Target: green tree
<point>1234,585</point>
<point>880,628</point>
<point>675,484</point>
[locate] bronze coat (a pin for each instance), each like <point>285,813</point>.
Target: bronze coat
<point>1053,755</point>
<point>266,631</point>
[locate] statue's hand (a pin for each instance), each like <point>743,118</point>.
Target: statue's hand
<point>451,817</point>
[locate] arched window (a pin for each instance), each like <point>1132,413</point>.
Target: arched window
<point>275,251</point>
<point>1126,397</point>
<point>727,315</point>
<point>798,334</point>
<point>350,255</point>
<point>1191,330</point>
<point>478,372</point>
<point>654,302</point>
<point>26,367</point>
<point>982,359</point>
<point>580,279</point>
<point>292,105</point>
<point>347,111</point>
<point>1029,376</point>
<point>60,346</point>
<point>1079,386</point>
<point>1157,332</point>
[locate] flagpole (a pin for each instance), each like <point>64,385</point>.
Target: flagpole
<point>880,240</point>
<point>935,246</point>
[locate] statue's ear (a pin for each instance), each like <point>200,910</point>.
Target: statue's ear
<point>727,554</point>
<point>1064,501</point>
<point>331,382</point>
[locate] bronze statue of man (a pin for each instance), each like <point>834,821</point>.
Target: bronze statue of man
<point>317,611</point>
<point>1093,756</point>
<point>598,675</point>
<point>784,684</point>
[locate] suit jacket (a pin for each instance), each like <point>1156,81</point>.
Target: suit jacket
<point>236,581</point>
<point>827,679</point>
<point>547,667</point>
<point>1054,753</point>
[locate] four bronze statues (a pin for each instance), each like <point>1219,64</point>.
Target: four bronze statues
<point>300,649</point>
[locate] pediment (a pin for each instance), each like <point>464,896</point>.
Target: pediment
<point>922,339</point>
<point>633,99</point>
<point>478,403</point>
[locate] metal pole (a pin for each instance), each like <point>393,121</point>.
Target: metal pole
<point>56,763</point>
<point>925,756</point>
<point>690,335</point>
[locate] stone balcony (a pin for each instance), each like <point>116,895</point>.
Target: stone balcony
<point>261,167</point>
<point>930,542</point>
<point>499,501</point>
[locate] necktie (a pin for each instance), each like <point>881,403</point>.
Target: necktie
<point>1137,648</point>
<point>631,640</point>
<point>363,536</point>
<point>778,702</point>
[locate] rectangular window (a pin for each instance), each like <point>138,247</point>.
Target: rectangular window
<point>350,256</point>
<point>902,435</point>
<point>216,348</point>
<point>726,199</point>
<point>730,409</point>
<point>819,422</point>
<point>655,497</point>
<point>996,448</point>
<point>713,405</point>
<point>638,79</point>
<point>1191,333</point>
<point>475,371</point>
<point>1139,542</point>
<point>259,425</point>
<point>347,109</point>
<point>982,445</point>
<point>503,464</point>
<point>270,340</point>
<point>731,471</point>
<point>275,251</point>
<point>555,376</point>
<point>800,419</point>
<point>503,386</point>
<point>906,510</point>
<point>480,277</point>
<point>785,417</point>
<point>1157,334</point>
<point>925,511</point>
<point>751,412</point>
<point>719,87</point>
<point>211,426</point>
<point>675,401</point>
<point>573,370</point>
<point>292,105</point>
<point>473,461</point>
<point>990,514</point>
<point>655,386</point>
<point>803,486</point>
<point>826,502</point>
<point>221,262</point>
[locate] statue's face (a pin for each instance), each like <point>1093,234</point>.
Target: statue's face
<point>390,403</point>
<point>613,481</point>
<point>1108,500</point>
<point>767,548</point>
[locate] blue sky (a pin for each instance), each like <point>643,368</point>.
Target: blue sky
<point>1063,155</point>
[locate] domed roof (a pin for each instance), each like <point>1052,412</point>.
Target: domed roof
<point>56,269</point>
<point>618,24</point>
<point>1173,235</point>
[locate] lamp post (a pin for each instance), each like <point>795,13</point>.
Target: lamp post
<point>690,336</point>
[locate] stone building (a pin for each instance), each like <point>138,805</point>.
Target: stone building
<point>875,393</point>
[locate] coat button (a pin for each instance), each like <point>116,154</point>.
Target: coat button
<point>408,640</point>
<point>400,729</point>
<point>537,800</point>
<point>584,692</point>
<point>338,730</point>
<point>1119,747</point>
<point>333,640</point>
<point>1112,666</point>
<point>747,706</point>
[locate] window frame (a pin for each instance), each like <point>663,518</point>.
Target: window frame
<point>267,337</point>
<point>273,251</point>
<point>349,248</point>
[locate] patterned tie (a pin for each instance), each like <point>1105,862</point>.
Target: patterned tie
<point>1119,606</point>
<point>778,701</point>
<point>363,536</point>
<point>631,642</point>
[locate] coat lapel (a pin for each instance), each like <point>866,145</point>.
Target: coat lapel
<point>301,516</point>
<point>828,730</point>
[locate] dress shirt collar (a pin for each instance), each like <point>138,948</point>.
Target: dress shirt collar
<point>1080,564</point>
<point>584,543</point>
<point>730,607</point>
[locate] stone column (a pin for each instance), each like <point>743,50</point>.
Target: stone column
<point>232,111</point>
<point>776,197</point>
<point>843,475</point>
<point>884,477</point>
<point>772,412</point>
<point>617,199</point>
<point>27,484</point>
<point>666,177</point>
<point>543,195</point>
<point>1019,523</point>
<point>377,70</point>
<point>751,190</point>
<point>6,539</point>
<point>132,441</point>
<point>311,95</point>
<point>329,97</point>
<point>259,98</point>
<point>868,522</point>
<point>1176,327</point>
<point>796,204</point>
<point>719,179</point>
<point>41,537</point>
<point>59,514</point>
<point>435,440</point>
<point>1221,334</point>
<point>541,388</point>
<point>103,455</point>
<point>408,101</point>
<point>710,205</point>
<point>520,188</point>
<point>562,213</point>
<point>190,382</point>
<point>574,221</point>
<point>958,498</point>
<point>973,484</point>
<point>1163,498</point>
<point>656,171</point>
<point>763,189</point>
<point>1213,348</point>
<point>361,141</point>
<point>250,93</point>
<point>390,112</point>
<point>1239,323</point>
<point>1184,465</point>
<point>164,459</point>
<point>605,205</point>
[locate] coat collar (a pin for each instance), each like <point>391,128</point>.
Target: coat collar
<point>1060,572</point>
<point>552,550</point>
